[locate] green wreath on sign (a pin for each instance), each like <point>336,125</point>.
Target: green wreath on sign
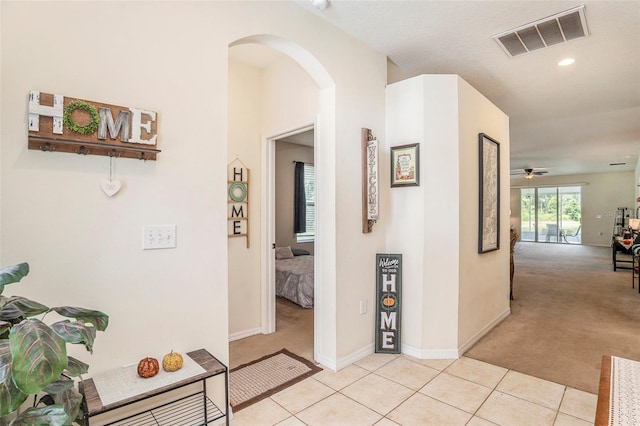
<point>88,128</point>
<point>233,191</point>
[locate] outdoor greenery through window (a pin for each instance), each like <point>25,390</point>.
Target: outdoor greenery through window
<point>551,214</point>
<point>310,196</point>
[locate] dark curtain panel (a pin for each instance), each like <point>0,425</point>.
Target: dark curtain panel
<point>299,200</point>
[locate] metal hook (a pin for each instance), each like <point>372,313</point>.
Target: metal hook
<point>46,147</point>
<point>142,157</point>
<point>114,153</point>
<point>82,150</point>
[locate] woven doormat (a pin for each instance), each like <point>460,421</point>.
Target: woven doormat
<point>259,379</point>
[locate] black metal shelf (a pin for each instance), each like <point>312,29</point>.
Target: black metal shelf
<point>195,409</point>
<point>183,412</point>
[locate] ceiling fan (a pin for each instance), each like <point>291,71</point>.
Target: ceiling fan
<point>528,173</point>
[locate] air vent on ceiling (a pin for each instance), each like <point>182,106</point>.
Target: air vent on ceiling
<point>559,28</point>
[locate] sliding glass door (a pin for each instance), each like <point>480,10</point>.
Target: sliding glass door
<point>551,214</point>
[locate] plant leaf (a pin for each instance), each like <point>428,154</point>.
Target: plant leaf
<point>18,306</point>
<point>4,327</point>
<point>12,274</point>
<point>99,319</point>
<point>50,415</point>
<point>75,367</point>
<point>75,332</point>
<point>58,386</point>
<point>10,396</point>
<point>39,355</point>
<point>71,400</point>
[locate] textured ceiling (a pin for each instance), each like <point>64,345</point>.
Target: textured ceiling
<point>574,119</point>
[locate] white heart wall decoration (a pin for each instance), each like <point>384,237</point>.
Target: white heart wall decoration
<point>110,187</point>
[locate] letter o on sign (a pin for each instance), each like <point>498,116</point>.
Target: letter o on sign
<point>238,191</point>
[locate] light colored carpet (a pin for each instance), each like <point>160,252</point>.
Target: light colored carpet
<point>261,378</point>
<point>294,331</point>
<point>570,309</point>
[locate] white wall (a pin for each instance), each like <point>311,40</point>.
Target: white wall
<point>434,225</point>
<point>602,194</point>
<point>85,248</point>
<point>484,278</point>
<point>245,117</point>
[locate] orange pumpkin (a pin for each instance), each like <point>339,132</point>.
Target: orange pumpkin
<point>148,367</point>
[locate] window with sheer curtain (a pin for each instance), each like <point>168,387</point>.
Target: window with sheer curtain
<point>304,201</point>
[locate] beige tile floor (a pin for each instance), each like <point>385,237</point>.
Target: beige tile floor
<point>400,390</point>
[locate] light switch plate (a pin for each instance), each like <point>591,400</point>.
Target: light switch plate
<point>158,237</point>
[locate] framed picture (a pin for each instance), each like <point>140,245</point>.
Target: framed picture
<point>405,165</point>
<point>489,197</point>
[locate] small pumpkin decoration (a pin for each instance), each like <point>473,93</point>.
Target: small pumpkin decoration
<point>172,361</point>
<point>388,301</point>
<point>148,367</point>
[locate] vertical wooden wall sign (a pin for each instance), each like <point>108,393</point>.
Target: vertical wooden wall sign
<point>238,200</point>
<point>369,180</point>
<point>388,302</point>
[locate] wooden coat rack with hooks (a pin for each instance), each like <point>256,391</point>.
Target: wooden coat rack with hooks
<point>63,124</point>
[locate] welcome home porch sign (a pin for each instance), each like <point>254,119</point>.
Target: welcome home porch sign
<point>388,302</point>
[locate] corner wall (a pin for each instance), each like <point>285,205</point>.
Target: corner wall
<point>484,278</point>
<point>435,225</point>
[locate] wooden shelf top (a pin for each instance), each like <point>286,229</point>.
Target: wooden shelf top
<point>94,405</point>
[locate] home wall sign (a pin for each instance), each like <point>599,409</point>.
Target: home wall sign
<point>65,124</point>
<point>238,200</point>
<point>369,180</point>
<point>388,302</point>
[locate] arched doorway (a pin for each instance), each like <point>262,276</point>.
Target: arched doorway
<point>325,244</point>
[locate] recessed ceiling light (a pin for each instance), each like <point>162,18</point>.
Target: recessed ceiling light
<point>566,61</point>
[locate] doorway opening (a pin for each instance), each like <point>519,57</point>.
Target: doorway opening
<point>266,97</point>
<point>293,221</point>
<point>551,214</point>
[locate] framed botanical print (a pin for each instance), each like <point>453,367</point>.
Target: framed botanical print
<point>489,194</point>
<point>405,165</point>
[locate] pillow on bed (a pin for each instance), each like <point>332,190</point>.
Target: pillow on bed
<point>299,252</point>
<point>284,253</point>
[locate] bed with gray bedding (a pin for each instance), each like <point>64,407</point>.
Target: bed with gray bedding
<point>294,279</point>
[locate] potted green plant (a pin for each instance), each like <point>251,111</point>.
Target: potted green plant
<point>34,360</point>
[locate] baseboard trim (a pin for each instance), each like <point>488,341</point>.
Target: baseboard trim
<point>346,361</point>
<point>326,362</point>
<point>480,334</point>
<point>245,333</point>
<point>430,353</point>
<point>413,351</point>
<point>355,356</point>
